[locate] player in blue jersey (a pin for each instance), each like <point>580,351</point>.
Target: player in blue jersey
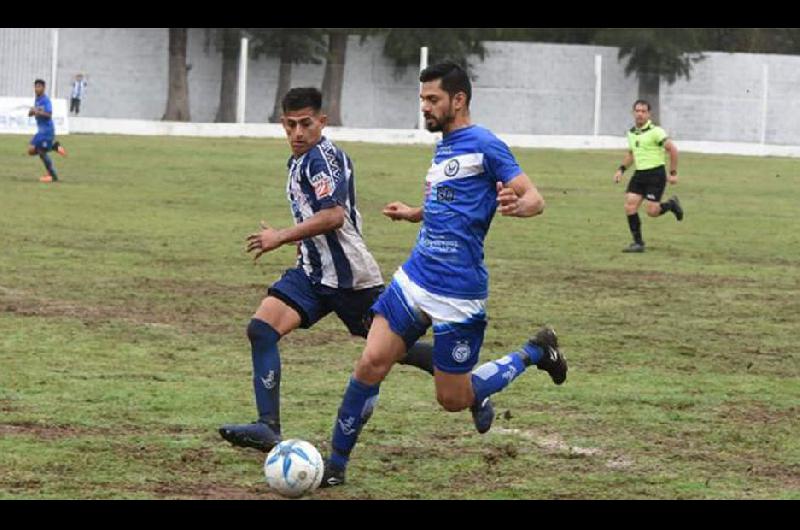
<point>335,272</point>
<point>44,139</point>
<point>444,283</point>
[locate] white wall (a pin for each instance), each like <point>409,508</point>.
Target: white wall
<point>521,88</point>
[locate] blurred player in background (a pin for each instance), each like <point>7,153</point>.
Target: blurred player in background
<point>44,139</point>
<point>647,145</point>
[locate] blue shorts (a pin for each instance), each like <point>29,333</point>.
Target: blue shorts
<point>42,141</point>
<point>314,301</point>
<point>458,325</point>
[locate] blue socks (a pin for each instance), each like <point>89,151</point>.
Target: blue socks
<point>266,372</point>
<point>358,403</point>
<point>48,164</point>
<point>492,377</point>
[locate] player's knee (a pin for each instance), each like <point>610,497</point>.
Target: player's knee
<point>654,211</point>
<point>258,330</point>
<point>372,368</point>
<point>630,208</point>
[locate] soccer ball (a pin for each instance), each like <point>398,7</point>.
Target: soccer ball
<point>294,468</point>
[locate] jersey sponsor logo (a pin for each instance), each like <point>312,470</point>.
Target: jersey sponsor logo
<point>461,166</point>
<point>445,194</point>
<point>452,167</point>
<point>324,185</point>
<point>461,351</point>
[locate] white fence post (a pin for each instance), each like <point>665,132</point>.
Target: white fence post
<point>598,87</point>
<point>423,64</point>
<point>764,95</point>
<point>242,84</point>
<point>54,65</point>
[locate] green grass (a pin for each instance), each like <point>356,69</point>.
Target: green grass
<point>125,292</point>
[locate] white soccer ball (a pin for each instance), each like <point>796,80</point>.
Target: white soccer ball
<point>294,468</point>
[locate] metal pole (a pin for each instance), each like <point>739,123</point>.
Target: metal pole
<point>598,87</point>
<point>242,84</point>
<point>54,65</point>
<point>764,95</point>
<point>423,64</point>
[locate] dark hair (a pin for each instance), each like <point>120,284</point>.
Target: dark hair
<point>300,98</point>
<point>454,78</point>
<point>641,102</point>
<point>39,82</point>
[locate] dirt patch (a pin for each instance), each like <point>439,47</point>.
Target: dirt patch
<point>213,490</point>
<point>554,444</point>
<point>757,413</point>
<point>45,432</point>
<point>59,431</point>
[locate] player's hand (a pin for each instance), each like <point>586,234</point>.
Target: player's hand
<point>264,241</point>
<point>507,200</point>
<point>397,211</point>
<point>32,111</point>
<point>672,179</point>
<point>617,176</point>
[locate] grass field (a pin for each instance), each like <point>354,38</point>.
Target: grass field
<point>125,292</point>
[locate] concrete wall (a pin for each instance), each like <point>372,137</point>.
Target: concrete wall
<point>521,88</point>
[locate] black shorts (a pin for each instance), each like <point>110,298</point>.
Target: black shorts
<point>314,301</point>
<point>649,183</point>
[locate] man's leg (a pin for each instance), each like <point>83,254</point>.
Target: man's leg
<point>48,163</point>
<point>632,203</point>
<point>271,321</point>
<point>291,303</point>
<point>457,389</point>
<point>656,209</point>
<point>384,348</point>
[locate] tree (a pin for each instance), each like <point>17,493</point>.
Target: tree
<point>333,79</point>
<point>654,54</point>
<point>291,46</point>
<point>229,43</point>
<point>178,89</point>
<point>457,44</point>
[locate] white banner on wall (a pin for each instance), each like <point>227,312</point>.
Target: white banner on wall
<point>14,117</point>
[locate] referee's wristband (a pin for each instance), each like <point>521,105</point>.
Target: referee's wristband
<point>622,168</point>
<point>673,172</point>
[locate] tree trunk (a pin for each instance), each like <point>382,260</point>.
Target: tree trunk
<point>334,77</point>
<point>284,83</point>
<point>178,94</point>
<point>230,75</point>
<point>649,89</point>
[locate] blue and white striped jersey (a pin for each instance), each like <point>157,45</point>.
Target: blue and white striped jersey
<point>323,178</point>
<point>460,202</point>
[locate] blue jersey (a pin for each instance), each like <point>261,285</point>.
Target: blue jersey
<point>460,202</point>
<point>45,125</point>
<point>323,178</point>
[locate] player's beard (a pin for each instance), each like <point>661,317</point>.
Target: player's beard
<point>439,124</point>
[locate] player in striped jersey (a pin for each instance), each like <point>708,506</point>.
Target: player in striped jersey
<point>335,272</point>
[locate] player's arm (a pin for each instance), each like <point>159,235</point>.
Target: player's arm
<point>519,198</point>
<point>322,222</point>
<point>626,163</point>
<point>398,211</point>
<point>670,147</point>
